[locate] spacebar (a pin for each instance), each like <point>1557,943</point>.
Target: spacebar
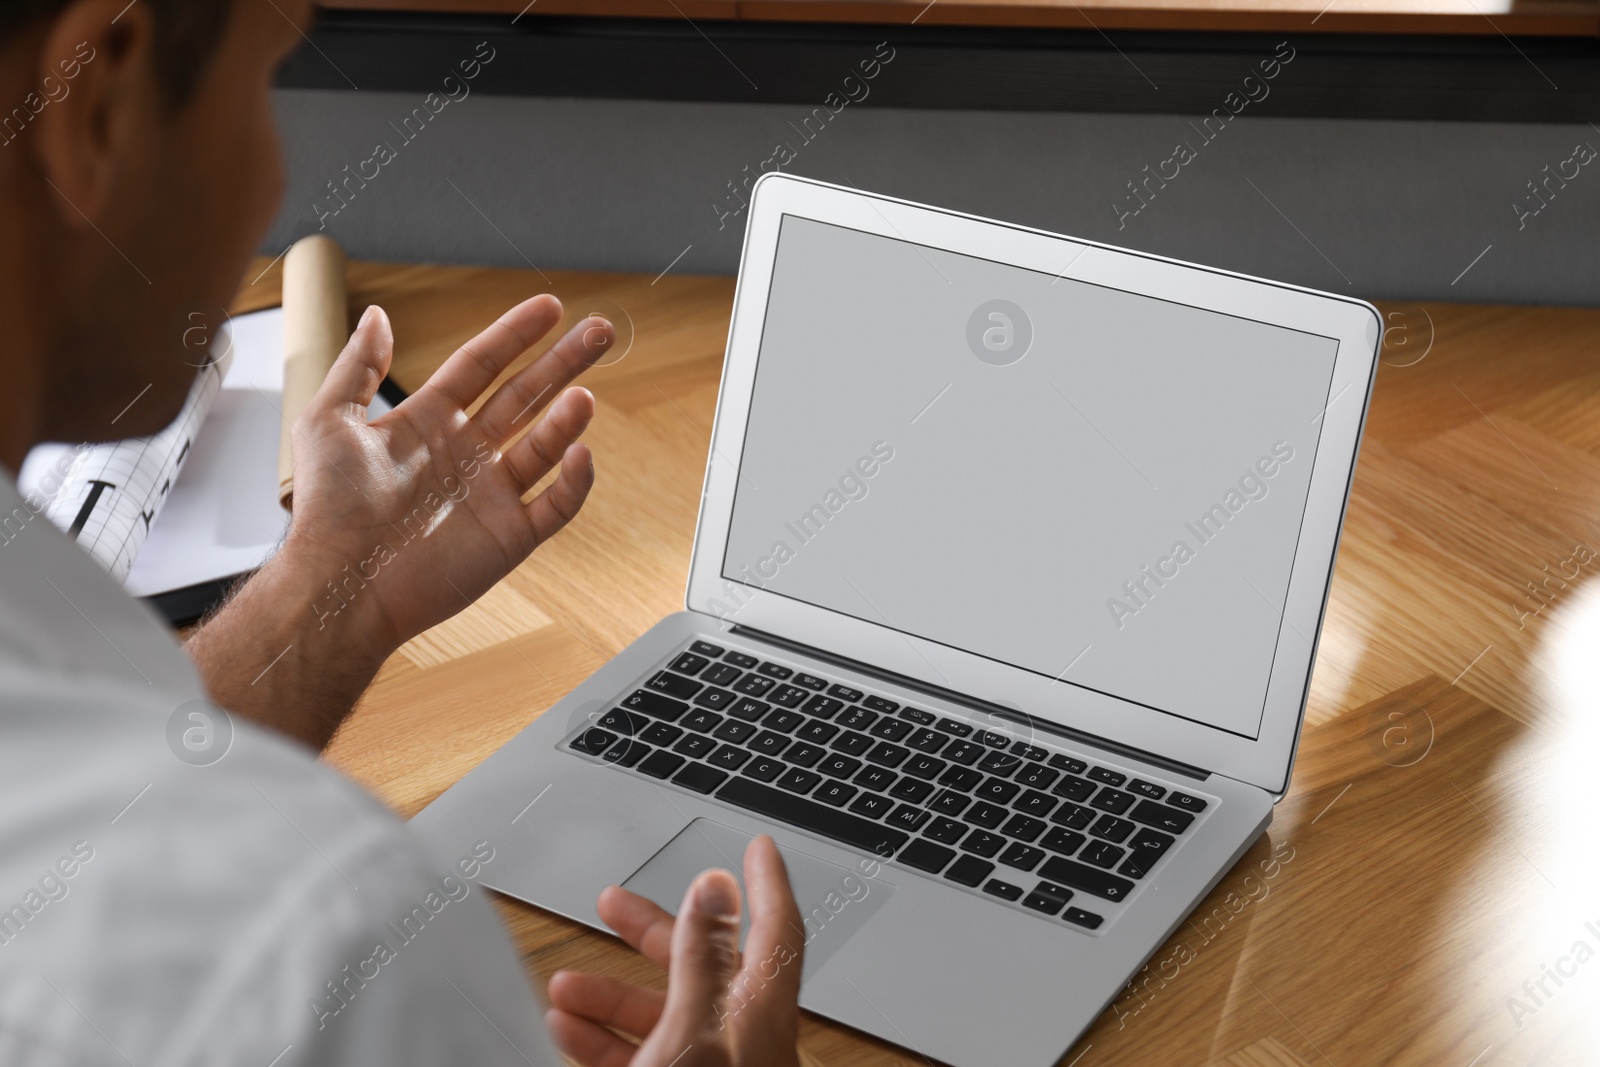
<point>809,815</point>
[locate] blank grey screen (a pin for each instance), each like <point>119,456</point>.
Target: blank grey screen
<point>1118,508</point>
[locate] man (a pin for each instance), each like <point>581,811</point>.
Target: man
<point>262,910</point>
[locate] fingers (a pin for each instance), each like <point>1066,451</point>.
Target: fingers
<point>355,375</point>
<point>476,364</point>
<point>607,1002</point>
<point>560,501</point>
<point>705,958</point>
<point>639,922</point>
<point>539,450</point>
<point>587,1043</point>
<point>777,940</point>
<point>520,398</point>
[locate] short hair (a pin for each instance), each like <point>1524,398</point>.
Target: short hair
<point>187,31</point>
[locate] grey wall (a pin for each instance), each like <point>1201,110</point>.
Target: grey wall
<point>1394,210</point>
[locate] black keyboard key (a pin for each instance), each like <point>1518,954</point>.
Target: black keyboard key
<point>689,663</point>
<point>767,743</point>
<point>969,870</point>
<point>997,791</point>
<point>660,764</point>
<point>926,856</point>
<point>700,778</point>
<point>918,716</point>
<point>875,778</point>
<point>872,805</point>
<point>911,790</point>
<point>955,727</point>
<point>857,718</point>
<point>722,674</point>
<point>620,721</point>
<point>749,709</point>
<point>695,746</point>
<point>845,693</point>
<point>907,817</point>
<point>1161,816</point>
<point>740,660</point>
<point>626,753</point>
<point>890,729</point>
<point>729,758</point>
<point>715,699</point>
<point>945,831</point>
<point>1003,890</point>
<point>810,681</point>
<point>674,685</point>
<point>754,685</point>
<point>1023,827</point>
<point>1072,816</point>
<point>949,802</point>
<point>784,721</point>
<point>926,740</point>
<point>1062,840</point>
<point>593,741</point>
<point>823,707</point>
<point>1036,776</point>
<point>1109,777</point>
<point>1022,857</point>
<point>787,695</point>
<point>963,778</point>
<point>983,843</point>
<point>819,732</point>
<point>993,740</point>
<point>963,752</point>
<point>660,733</point>
<point>1147,789</point>
<point>886,755</point>
<point>763,769</point>
<point>836,766</point>
<point>701,721</point>
<point>1063,762</point>
<point>1101,854</point>
<point>1034,802</point>
<point>1113,800</point>
<point>656,705</point>
<point>835,792</point>
<point>1001,763</point>
<point>1186,802</point>
<point>705,648</point>
<point>1027,751</point>
<point>1152,844</point>
<point>809,815</point>
<point>888,707</point>
<point>773,670</point>
<point>1074,788</point>
<point>802,754</point>
<point>1045,902</point>
<point>799,781</point>
<point>1111,828</point>
<point>986,815</point>
<point>1086,919</point>
<point>926,767</point>
<point>735,731</point>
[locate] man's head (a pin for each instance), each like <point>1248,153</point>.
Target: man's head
<point>139,168</point>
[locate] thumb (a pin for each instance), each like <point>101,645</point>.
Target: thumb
<point>355,375</point>
<point>705,958</point>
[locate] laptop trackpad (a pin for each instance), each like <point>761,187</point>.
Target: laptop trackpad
<point>835,901</point>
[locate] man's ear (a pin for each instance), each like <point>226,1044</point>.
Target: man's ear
<point>100,59</point>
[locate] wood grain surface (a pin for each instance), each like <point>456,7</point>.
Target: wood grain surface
<point>1424,889</point>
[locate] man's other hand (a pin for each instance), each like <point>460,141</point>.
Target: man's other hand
<point>719,1009</point>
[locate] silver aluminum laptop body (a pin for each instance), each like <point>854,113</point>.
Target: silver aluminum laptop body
<point>1035,607</point>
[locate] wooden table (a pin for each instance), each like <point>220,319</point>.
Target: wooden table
<point>1437,848</point>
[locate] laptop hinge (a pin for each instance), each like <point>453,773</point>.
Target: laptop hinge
<point>999,711</point>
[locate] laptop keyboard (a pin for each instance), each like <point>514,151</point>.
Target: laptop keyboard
<point>1020,822</point>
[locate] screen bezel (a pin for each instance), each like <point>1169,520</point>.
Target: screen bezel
<point>1355,325</point>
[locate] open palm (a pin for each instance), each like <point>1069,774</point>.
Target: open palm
<point>418,513</point>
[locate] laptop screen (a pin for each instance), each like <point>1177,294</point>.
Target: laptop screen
<point>1091,484</point>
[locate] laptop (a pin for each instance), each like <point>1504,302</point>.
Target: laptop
<point>1011,561</point>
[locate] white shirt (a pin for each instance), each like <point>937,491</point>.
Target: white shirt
<point>157,912</point>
